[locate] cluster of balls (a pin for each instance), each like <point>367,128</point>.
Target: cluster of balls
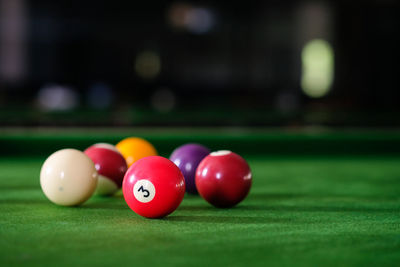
<point>153,186</point>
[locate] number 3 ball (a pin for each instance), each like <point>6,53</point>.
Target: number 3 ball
<point>110,165</point>
<point>68,177</point>
<point>153,187</point>
<point>223,178</point>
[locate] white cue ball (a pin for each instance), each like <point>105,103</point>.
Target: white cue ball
<point>68,177</point>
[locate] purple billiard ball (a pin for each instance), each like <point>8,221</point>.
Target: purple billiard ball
<point>187,158</point>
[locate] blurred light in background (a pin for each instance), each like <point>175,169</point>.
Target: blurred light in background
<point>200,20</point>
<point>148,64</point>
<point>177,15</point>
<point>163,100</point>
<point>197,20</point>
<point>13,30</point>
<point>317,68</point>
<point>267,58</point>
<point>54,97</point>
<point>100,96</point>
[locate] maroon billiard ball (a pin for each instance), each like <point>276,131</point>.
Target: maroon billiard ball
<point>223,179</point>
<point>153,187</point>
<point>110,165</point>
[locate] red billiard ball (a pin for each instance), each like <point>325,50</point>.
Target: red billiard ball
<point>223,179</point>
<point>110,165</point>
<point>153,187</point>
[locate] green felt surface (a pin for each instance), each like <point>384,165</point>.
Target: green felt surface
<point>302,211</point>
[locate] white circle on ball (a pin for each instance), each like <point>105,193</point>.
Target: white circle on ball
<point>144,191</point>
<point>220,153</point>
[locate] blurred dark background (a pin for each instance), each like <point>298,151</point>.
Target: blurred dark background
<point>199,63</point>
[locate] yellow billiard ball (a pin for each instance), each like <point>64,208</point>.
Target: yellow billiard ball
<point>68,177</point>
<point>135,148</point>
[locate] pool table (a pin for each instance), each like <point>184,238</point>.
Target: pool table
<point>319,198</point>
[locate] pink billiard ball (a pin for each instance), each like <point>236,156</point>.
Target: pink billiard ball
<point>153,187</point>
<point>110,165</point>
<point>223,179</point>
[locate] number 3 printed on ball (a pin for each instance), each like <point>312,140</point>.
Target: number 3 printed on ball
<point>144,191</point>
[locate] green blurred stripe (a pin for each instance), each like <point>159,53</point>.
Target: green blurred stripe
<point>42,141</point>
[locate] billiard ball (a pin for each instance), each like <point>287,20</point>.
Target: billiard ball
<point>110,165</point>
<point>187,158</point>
<point>135,148</point>
<point>68,177</point>
<point>153,187</point>
<point>223,178</point>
